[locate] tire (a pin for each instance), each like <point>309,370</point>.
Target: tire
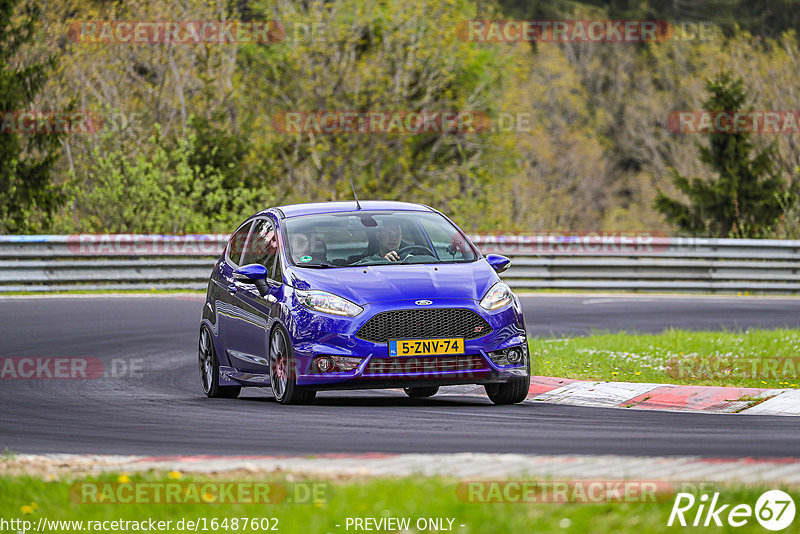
<point>512,392</point>
<point>209,369</point>
<point>283,371</point>
<point>421,392</point>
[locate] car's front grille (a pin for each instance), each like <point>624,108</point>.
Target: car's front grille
<point>425,364</point>
<point>424,324</point>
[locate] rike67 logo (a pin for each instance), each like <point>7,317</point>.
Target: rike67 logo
<point>774,510</point>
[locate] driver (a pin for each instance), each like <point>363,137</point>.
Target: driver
<point>389,238</point>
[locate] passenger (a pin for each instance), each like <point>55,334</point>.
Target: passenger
<point>318,251</point>
<point>310,248</point>
<point>300,246</point>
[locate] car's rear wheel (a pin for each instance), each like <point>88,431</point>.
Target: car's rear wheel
<point>209,369</point>
<point>511,392</point>
<point>421,392</point>
<point>283,371</point>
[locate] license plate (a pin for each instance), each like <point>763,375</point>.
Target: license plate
<point>426,347</point>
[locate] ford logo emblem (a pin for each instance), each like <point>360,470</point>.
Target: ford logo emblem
<point>423,302</point>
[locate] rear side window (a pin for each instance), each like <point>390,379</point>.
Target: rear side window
<point>236,243</point>
<point>262,248</point>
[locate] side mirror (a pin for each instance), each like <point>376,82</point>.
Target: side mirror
<point>250,274</point>
<point>499,263</point>
<point>253,274</point>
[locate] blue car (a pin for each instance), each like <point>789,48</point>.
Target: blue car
<point>348,295</point>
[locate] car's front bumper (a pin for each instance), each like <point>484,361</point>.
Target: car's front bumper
<point>318,334</point>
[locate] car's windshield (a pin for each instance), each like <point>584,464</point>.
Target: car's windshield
<point>360,238</point>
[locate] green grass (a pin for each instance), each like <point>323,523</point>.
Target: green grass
<point>675,356</point>
<point>31,498</point>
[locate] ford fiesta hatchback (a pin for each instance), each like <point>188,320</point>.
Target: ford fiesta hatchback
<point>343,295</point>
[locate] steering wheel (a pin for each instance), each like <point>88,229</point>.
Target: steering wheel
<point>406,251</point>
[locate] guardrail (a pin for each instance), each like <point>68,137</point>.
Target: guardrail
<point>592,262</point>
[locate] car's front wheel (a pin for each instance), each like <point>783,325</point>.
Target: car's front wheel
<point>512,392</point>
<point>283,371</point>
<point>209,369</point>
<point>421,392</point>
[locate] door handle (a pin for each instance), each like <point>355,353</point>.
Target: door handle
<point>232,288</point>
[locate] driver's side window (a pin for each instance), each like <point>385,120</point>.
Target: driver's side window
<point>262,247</point>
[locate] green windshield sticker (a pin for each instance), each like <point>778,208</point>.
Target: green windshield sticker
<point>305,259</point>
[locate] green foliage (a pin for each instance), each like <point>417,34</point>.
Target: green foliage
<point>745,198</point>
<point>594,154</point>
<point>28,195</point>
<point>788,224</point>
<point>160,189</point>
<point>380,57</point>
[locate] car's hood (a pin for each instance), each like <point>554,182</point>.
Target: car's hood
<point>363,285</point>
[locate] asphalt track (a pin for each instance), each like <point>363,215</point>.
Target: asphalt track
<point>163,411</point>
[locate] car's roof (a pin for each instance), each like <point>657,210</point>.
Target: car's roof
<point>316,208</point>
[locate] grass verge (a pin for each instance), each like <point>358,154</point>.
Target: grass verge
<point>752,358</point>
<point>416,498</point>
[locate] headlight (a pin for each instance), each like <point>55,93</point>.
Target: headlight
<point>497,297</point>
<point>325,302</point>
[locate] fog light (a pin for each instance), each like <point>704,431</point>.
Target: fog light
<point>335,364</point>
<point>325,364</point>
<point>513,356</point>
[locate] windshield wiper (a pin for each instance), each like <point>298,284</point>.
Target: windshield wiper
<point>320,265</point>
